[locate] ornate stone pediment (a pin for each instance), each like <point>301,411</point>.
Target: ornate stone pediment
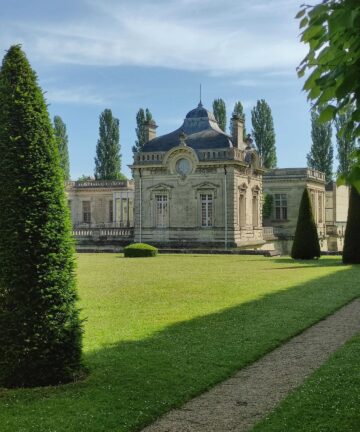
<point>160,186</point>
<point>206,186</point>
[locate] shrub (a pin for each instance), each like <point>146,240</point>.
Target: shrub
<point>41,333</point>
<point>136,250</point>
<point>306,242</point>
<point>351,252</point>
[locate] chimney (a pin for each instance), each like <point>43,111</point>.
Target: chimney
<point>238,131</point>
<point>150,130</point>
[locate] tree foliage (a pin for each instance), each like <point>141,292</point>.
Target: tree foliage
<point>40,337</point>
<point>267,205</point>
<point>108,158</point>
<point>306,240</point>
<point>264,133</point>
<point>142,117</point>
<point>346,144</point>
<point>219,110</point>
<point>331,31</point>
<point>62,144</point>
<point>322,152</point>
<point>238,110</point>
<point>351,252</point>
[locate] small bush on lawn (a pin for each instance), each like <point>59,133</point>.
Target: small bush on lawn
<point>140,250</point>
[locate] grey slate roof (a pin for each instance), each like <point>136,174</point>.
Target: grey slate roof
<point>201,130</point>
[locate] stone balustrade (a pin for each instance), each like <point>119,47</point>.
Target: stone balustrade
<point>268,233</point>
<point>103,184</point>
<point>127,233</point>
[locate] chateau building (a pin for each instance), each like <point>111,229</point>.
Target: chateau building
<point>104,203</point>
<point>198,186</point>
<point>286,186</point>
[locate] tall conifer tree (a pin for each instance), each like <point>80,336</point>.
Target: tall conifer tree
<point>108,158</point>
<point>40,336</point>
<point>62,143</point>
<point>219,109</point>
<point>264,133</point>
<point>141,118</point>
<point>306,241</point>
<point>346,143</point>
<point>322,152</point>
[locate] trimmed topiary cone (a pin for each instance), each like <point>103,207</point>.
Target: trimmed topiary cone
<point>40,329</point>
<point>351,252</point>
<point>306,242</point>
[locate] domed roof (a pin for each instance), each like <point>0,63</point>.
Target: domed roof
<point>200,112</point>
<point>201,130</point>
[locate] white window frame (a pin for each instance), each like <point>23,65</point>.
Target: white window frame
<point>86,215</point>
<point>206,209</point>
<point>281,205</point>
<point>161,210</point>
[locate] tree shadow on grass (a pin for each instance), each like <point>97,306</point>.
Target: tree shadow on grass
<point>322,262</point>
<point>133,382</point>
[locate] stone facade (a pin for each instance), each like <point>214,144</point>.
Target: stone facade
<point>95,203</point>
<point>336,207</point>
<point>286,186</point>
<point>198,186</point>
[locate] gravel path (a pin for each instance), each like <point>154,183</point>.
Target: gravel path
<point>241,401</point>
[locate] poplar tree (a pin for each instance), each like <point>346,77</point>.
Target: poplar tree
<point>141,118</point>
<point>219,110</point>
<point>238,110</point>
<point>345,143</point>
<point>322,152</point>
<point>306,241</point>
<point>264,133</point>
<point>108,158</point>
<point>62,144</point>
<point>41,334</point>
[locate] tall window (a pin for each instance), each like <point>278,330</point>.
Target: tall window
<point>122,211</point>
<point>320,199</point>
<point>281,207</point>
<point>242,208</point>
<point>161,211</point>
<point>111,211</point>
<point>86,211</point>
<point>206,210</point>
<point>255,210</point>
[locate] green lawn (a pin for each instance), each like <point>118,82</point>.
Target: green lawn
<point>328,401</point>
<point>161,330</point>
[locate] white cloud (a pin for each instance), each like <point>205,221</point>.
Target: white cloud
<point>201,35</point>
<point>76,95</point>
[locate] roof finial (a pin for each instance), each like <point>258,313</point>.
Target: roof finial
<point>200,103</point>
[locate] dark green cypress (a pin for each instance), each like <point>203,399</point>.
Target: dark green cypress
<point>351,252</point>
<point>306,242</point>
<point>41,333</point>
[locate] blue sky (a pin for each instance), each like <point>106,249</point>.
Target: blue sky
<point>95,54</point>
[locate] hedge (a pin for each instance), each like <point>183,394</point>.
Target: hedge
<point>136,250</point>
